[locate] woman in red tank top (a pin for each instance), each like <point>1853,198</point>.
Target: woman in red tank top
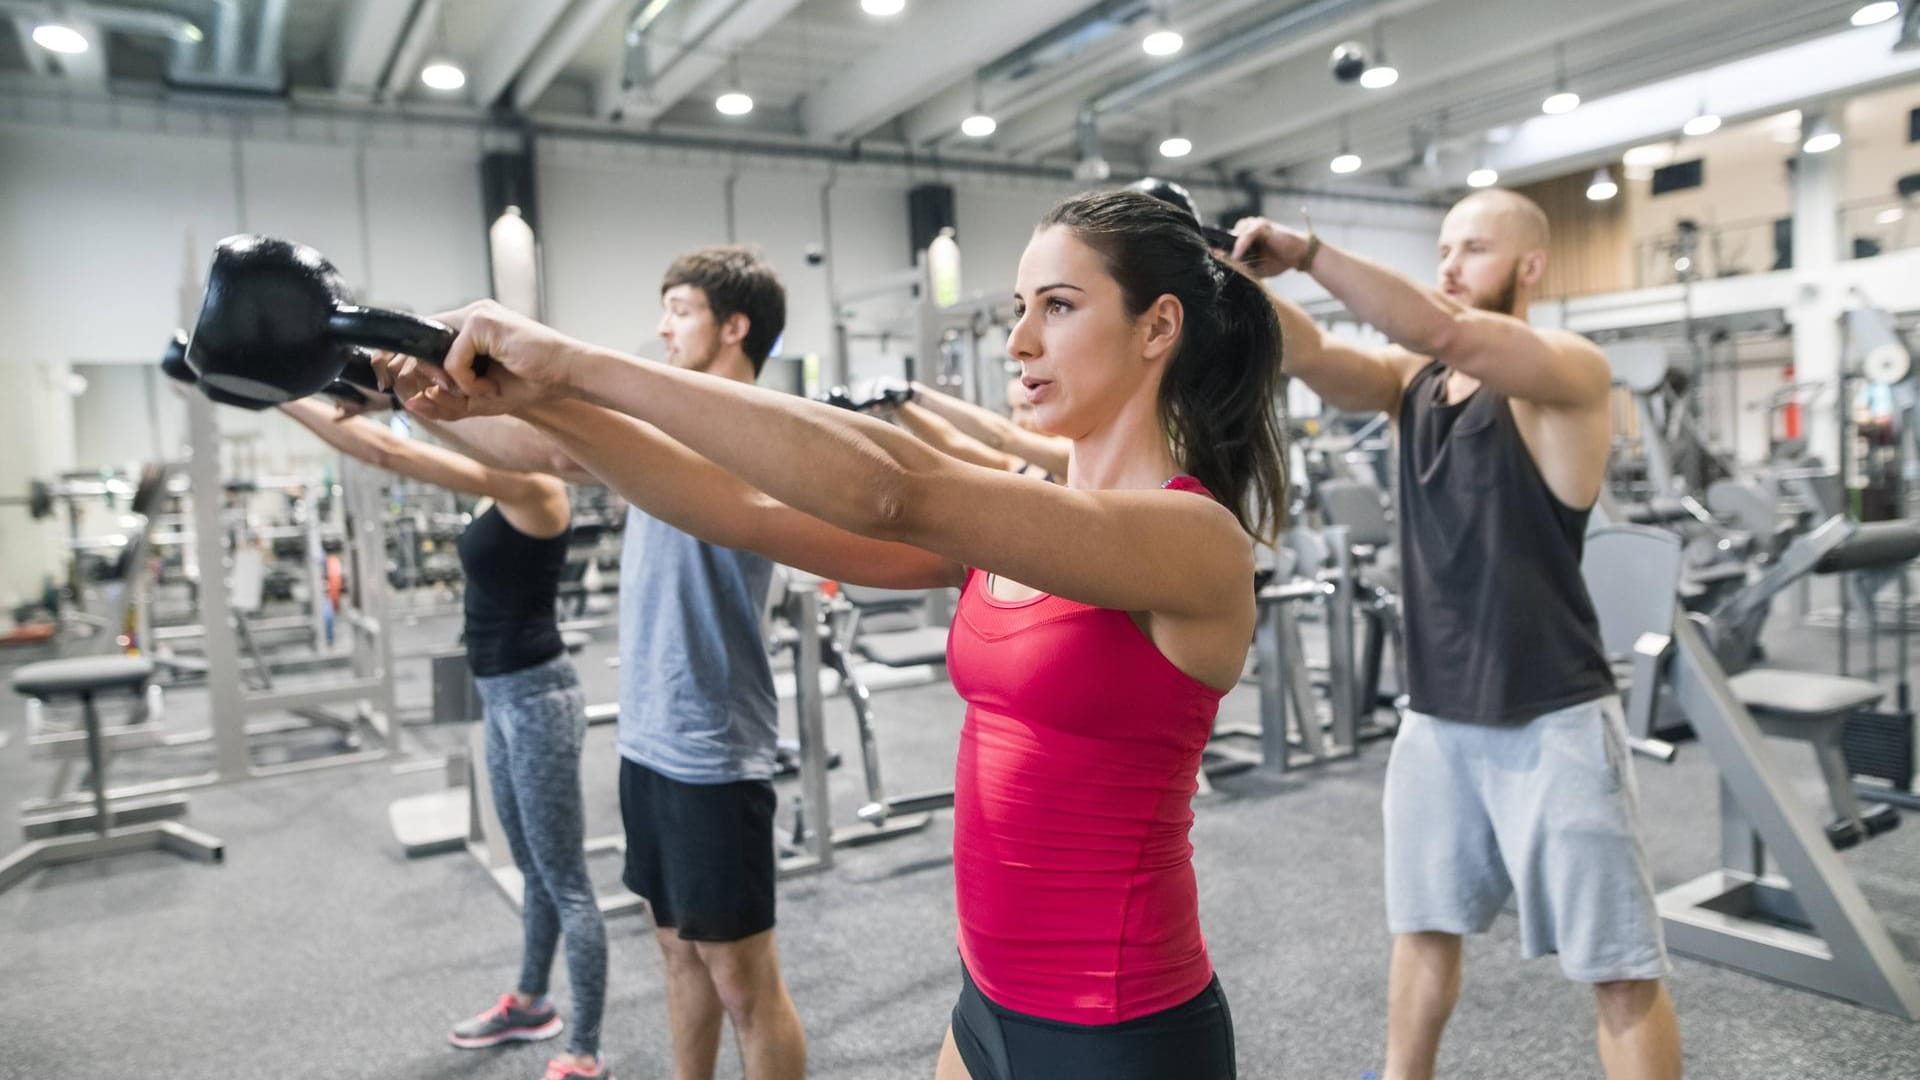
<point>1100,623</point>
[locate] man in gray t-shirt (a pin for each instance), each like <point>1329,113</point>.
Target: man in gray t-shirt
<point>696,694</point>
<point>698,716</point>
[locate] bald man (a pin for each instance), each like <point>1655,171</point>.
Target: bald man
<point>1510,777</point>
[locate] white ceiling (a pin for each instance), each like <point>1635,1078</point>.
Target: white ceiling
<point>1255,100</point>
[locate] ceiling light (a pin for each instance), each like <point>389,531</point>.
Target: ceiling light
<point>1482,177</point>
<point>1380,76</point>
<point>1380,72</point>
<point>1888,216</point>
<point>1346,162</point>
<point>56,37</point>
<point>1682,264</point>
<point>1560,103</point>
<point>1562,100</point>
<point>1499,135</point>
<point>883,8</point>
<point>1176,146</point>
<point>1602,188</point>
<point>443,75</point>
<point>1162,42</point>
<point>1875,13</point>
<point>1704,124</point>
<point>1822,137</point>
<point>733,101</point>
<point>980,123</point>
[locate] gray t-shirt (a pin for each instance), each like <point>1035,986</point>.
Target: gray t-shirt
<point>696,692</point>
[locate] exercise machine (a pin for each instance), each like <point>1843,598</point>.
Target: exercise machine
<point>1780,905</point>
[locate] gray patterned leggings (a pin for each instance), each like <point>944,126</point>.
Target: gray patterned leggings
<point>536,721</point>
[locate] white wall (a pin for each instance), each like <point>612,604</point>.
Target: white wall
<point>106,224</point>
<point>1405,238</point>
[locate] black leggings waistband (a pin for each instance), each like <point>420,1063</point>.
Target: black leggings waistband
<point>1191,1041</point>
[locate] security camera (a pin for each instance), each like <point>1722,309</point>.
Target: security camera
<point>815,255</point>
<point>1349,59</point>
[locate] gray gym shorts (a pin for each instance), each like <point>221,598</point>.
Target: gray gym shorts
<point>1547,814</point>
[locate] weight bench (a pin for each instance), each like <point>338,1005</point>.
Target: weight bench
<point>82,679</point>
<point>1814,709</point>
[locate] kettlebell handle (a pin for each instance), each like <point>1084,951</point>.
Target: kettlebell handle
<point>395,331</point>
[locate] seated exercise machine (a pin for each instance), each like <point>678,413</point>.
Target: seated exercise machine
<point>1781,904</point>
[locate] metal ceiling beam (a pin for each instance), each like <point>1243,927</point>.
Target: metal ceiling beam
<point>1302,28</point>
<point>413,50</point>
<point>934,45</point>
<point>369,36</point>
<point>1653,45</point>
<point>527,25</point>
<point>1840,65</point>
<point>559,49</point>
<point>704,37</point>
<point>1009,99</point>
<point>1430,46</point>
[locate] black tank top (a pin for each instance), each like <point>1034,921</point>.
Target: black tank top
<point>513,583</point>
<point>1499,627</point>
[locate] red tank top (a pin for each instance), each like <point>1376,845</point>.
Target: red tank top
<point>1072,801</point>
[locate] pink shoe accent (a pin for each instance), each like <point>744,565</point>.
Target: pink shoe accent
<point>560,1069</point>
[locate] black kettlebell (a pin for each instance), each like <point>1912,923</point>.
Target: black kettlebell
<point>1168,191</point>
<point>357,376</point>
<point>279,323</point>
<point>174,364</point>
<point>1178,195</point>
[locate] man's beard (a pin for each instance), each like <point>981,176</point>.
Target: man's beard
<point>1503,302</point>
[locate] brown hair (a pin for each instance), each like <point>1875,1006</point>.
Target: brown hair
<point>737,280</point>
<point>1219,398</point>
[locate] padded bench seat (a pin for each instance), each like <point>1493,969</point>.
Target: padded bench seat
<point>906,648</point>
<point>1814,708</point>
<point>1801,694</point>
<point>79,675</point>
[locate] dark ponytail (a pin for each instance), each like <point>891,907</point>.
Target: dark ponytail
<point>1219,398</point>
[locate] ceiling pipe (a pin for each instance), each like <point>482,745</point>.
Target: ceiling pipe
<point>1275,32</point>
<point>215,46</point>
<point>124,20</point>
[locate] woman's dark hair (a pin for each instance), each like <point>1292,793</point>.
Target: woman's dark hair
<point>1219,398</point>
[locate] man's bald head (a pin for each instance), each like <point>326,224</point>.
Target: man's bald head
<point>1493,250</point>
<point>1520,220</point>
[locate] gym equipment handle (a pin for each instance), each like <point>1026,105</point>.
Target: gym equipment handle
<point>396,331</point>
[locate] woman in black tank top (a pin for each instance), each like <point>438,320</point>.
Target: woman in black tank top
<point>535,716</point>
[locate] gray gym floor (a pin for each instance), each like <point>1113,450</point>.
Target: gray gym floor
<point>319,950</point>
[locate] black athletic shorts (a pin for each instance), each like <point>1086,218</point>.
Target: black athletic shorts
<point>1193,1041</point>
<point>701,854</point>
